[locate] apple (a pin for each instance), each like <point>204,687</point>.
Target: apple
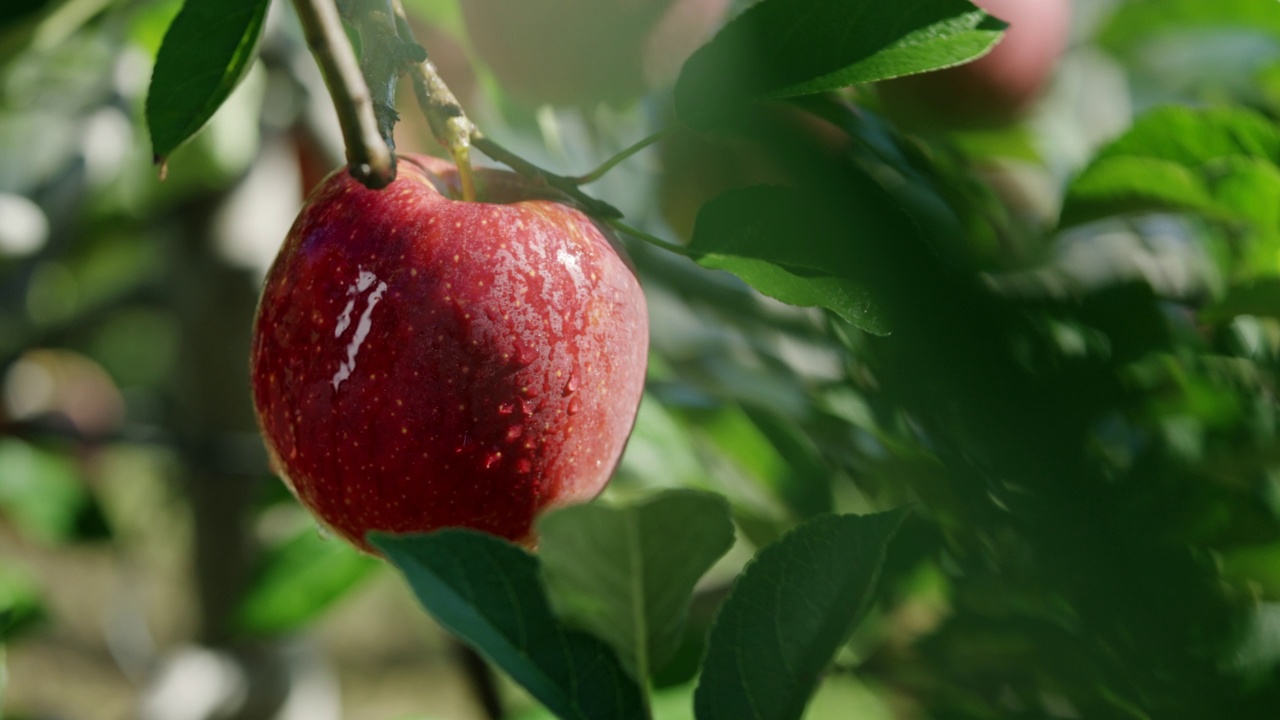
<point>421,362</point>
<point>997,88</point>
<point>583,52</point>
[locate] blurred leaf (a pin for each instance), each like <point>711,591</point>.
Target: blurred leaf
<point>41,491</point>
<point>775,454</point>
<point>1137,21</point>
<point>845,297</point>
<point>1218,162</point>
<point>21,607</point>
<point>206,51</point>
<point>1260,297</point>
<point>445,14</point>
<point>1259,649</point>
<point>784,48</point>
<point>298,580</point>
<point>777,242</point>
<point>788,613</point>
<point>671,704</point>
<point>488,592</point>
<point>659,450</point>
<point>14,9</point>
<point>1257,565</point>
<point>626,574</point>
<point>841,696</point>
<point>806,484</point>
<point>1194,136</point>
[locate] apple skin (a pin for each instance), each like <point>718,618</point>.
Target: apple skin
<point>421,362</point>
<point>996,89</point>
<point>583,52</point>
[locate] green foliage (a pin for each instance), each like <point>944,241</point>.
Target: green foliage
<point>793,606</point>
<point>298,580</point>
<point>21,606</point>
<point>488,592</point>
<point>626,574</point>
<point>1090,454</point>
<point>1219,163</point>
<point>748,232</point>
<point>783,48</point>
<point>41,491</point>
<point>1138,21</point>
<point>205,53</point>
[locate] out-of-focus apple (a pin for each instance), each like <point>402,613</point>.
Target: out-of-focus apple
<point>997,88</point>
<point>583,52</point>
<point>421,362</point>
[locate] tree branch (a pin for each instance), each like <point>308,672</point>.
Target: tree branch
<point>369,158</point>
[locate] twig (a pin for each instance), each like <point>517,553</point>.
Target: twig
<point>369,159</point>
<point>390,49</point>
<point>651,239</point>
<point>566,185</point>
<point>383,58</point>
<point>614,161</point>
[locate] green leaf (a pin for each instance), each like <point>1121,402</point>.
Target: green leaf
<point>206,51</point>
<point>805,485</point>
<point>788,613</point>
<point>669,704</point>
<point>21,606</point>
<point>784,48</point>
<point>775,453</point>
<point>785,247</point>
<point>298,580</point>
<point>488,592</point>
<point>1194,136</point>
<point>1138,21</point>
<point>1260,297</point>
<point>846,298</point>
<point>1219,162</point>
<point>41,491</point>
<point>626,574</point>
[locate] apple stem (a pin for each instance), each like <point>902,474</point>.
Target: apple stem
<point>462,158</point>
<point>391,36</point>
<point>369,159</point>
<point>456,133</point>
<point>654,240</point>
<point>612,162</point>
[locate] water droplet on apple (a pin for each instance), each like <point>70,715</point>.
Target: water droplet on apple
<point>506,408</point>
<point>527,406</point>
<point>575,405</point>
<point>525,356</point>
<point>514,432</point>
<point>524,466</point>
<point>572,385</point>
<point>492,460</point>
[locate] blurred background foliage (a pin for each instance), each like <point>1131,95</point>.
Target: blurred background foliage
<point>1090,441</point>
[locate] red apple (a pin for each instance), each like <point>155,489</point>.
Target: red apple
<point>583,52</point>
<point>997,88</point>
<point>422,362</point>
